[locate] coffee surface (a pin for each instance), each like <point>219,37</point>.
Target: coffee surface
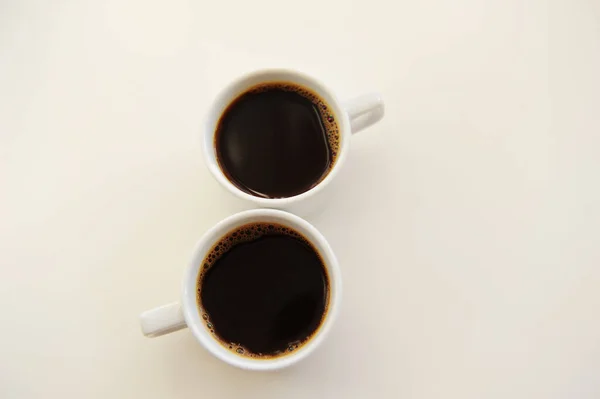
<point>276,140</point>
<point>263,290</point>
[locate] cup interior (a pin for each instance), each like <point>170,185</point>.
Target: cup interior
<point>231,92</point>
<point>190,304</point>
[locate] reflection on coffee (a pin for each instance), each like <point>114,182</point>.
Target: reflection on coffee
<point>263,290</point>
<point>277,140</point>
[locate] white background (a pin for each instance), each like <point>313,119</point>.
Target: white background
<point>467,223</point>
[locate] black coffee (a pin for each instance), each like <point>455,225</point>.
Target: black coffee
<point>277,140</point>
<point>263,290</point>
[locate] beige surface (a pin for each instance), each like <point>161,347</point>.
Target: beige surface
<point>466,223</point>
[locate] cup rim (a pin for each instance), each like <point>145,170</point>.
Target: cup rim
<point>224,97</point>
<point>189,302</point>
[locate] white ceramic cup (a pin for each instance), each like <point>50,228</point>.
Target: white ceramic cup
<point>175,316</point>
<point>352,116</point>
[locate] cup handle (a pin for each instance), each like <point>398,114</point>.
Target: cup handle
<point>364,111</point>
<point>162,320</point>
